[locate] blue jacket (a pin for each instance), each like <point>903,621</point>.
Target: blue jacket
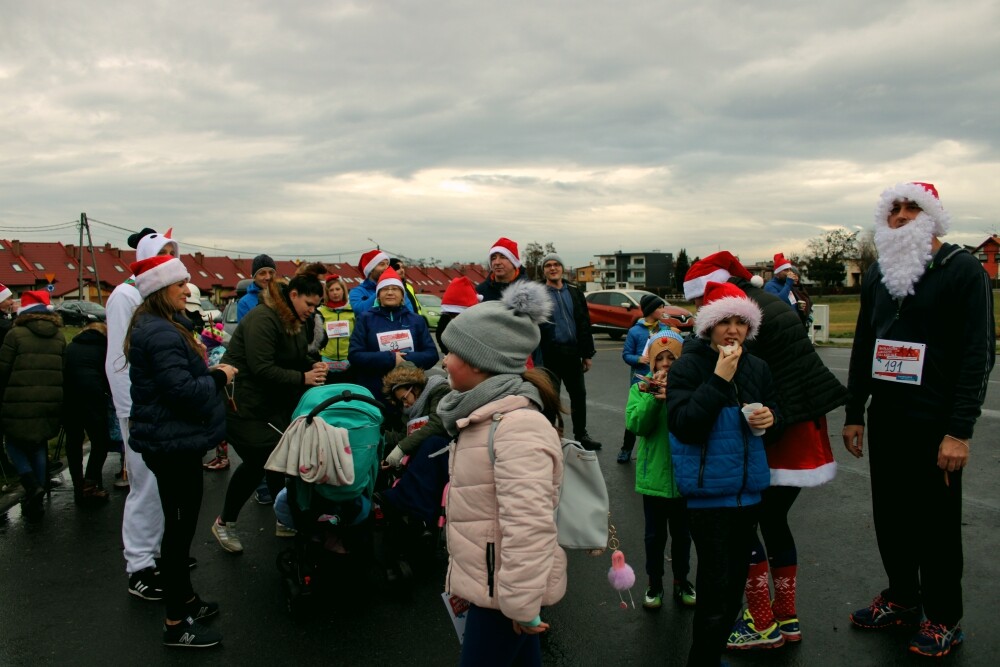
<point>248,301</point>
<point>635,343</point>
<point>717,461</point>
<point>781,289</point>
<point>362,298</point>
<point>176,404</point>
<point>371,363</point>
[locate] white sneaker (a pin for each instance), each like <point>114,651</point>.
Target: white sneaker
<point>225,533</point>
<point>281,530</point>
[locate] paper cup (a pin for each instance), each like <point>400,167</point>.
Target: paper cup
<point>748,410</point>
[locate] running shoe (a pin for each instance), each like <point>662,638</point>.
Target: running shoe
<point>936,640</point>
<point>281,530</point>
<point>790,629</point>
<point>225,533</point>
<point>884,614</point>
<point>745,636</point>
<point>146,584</point>
<point>684,593</point>
<point>190,634</point>
<point>653,599</point>
<point>624,456</point>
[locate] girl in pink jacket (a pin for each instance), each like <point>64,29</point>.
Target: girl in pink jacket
<point>503,554</point>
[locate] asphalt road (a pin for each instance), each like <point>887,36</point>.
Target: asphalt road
<point>64,600</point>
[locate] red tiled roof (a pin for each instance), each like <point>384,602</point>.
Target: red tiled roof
<point>17,280</point>
<point>52,258</point>
<point>201,278</point>
<point>222,270</point>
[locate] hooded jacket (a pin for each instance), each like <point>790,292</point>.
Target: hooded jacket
<point>176,404</point>
<point>370,362</point>
<point>31,378</point>
<point>269,349</point>
<point>120,307</point>
<point>654,469</point>
<point>959,357</point>
<point>718,462</point>
<point>502,538</point>
<point>86,387</point>
<point>248,301</point>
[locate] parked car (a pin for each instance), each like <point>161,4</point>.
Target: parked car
<point>81,313</point>
<point>229,312</point>
<point>431,306</point>
<point>614,311</point>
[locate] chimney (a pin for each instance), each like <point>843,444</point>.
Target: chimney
<point>71,251</point>
<point>15,247</point>
<point>199,257</point>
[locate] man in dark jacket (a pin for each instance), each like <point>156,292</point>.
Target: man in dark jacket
<point>568,344</point>
<point>927,384</point>
<point>505,268</point>
<point>31,385</point>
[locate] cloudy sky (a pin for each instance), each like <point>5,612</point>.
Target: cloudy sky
<point>435,127</point>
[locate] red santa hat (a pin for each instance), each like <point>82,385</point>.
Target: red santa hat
<point>719,268</point>
<point>925,195</point>
<point>461,294</point>
<point>35,301</point>
<point>722,301</point>
<point>5,293</point>
<point>158,272</point>
<point>389,278</point>
<point>150,245</point>
<point>780,263</point>
<point>331,277</point>
<point>508,249</point>
<point>370,260</point>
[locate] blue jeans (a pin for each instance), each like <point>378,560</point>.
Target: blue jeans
<point>490,641</point>
<point>29,459</point>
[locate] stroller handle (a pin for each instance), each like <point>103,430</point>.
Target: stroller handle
<point>347,395</point>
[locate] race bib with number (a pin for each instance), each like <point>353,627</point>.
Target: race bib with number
<point>338,329</point>
<point>395,341</point>
<point>898,361</point>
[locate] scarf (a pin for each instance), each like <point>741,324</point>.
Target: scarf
<point>417,409</point>
<point>334,305</point>
<point>459,404</point>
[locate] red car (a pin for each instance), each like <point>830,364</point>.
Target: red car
<point>614,311</point>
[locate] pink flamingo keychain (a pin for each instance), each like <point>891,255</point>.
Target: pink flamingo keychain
<point>621,576</point>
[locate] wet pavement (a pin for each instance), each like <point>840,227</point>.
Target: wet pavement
<point>63,584</point>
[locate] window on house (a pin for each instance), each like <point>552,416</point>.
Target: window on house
<point>17,267</point>
<point>90,268</point>
<point>639,260</point>
<point>39,266</point>
<point>219,276</point>
<point>240,276</point>
<point>119,269</point>
<point>69,265</point>
<point>203,274</point>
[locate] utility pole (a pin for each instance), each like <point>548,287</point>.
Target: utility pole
<point>93,259</point>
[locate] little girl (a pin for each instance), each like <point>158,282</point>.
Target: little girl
<point>503,555</point>
<point>662,504</point>
<point>634,354</point>
<point>719,462</point>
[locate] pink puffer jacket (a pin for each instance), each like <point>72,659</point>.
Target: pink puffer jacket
<point>501,531</point>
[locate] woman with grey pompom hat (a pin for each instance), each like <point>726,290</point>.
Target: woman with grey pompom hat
<point>503,555</point>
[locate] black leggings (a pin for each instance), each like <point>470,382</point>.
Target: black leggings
<point>179,479</point>
<point>774,507</point>
<point>246,478</point>
<point>96,427</point>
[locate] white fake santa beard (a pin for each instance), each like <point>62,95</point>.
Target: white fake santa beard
<point>904,253</point>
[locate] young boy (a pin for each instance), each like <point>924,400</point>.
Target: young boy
<point>663,506</point>
<point>633,354</point>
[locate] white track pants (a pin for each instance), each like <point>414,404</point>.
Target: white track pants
<point>142,524</point>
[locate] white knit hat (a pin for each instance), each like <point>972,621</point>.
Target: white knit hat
<point>150,245</point>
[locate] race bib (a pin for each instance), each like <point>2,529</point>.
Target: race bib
<point>338,329</point>
<point>395,341</point>
<point>898,361</point>
<point>415,424</point>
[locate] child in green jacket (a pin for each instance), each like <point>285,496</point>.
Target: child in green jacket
<point>663,506</point>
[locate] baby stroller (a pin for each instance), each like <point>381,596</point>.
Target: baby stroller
<point>333,542</point>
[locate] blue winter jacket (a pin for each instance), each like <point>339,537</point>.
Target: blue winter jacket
<point>248,301</point>
<point>371,363</point>
<point>635,343</point>
<point>176,404</point>
<point>362,298</point>
<point>717,461</point>
<point>781,289</point>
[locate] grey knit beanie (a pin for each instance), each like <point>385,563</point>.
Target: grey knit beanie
<point>499,336</point>
<point>552,256</point>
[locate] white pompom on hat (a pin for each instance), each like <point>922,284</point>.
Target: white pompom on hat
<point>508,249</point>
<point>722,301</point>
<point>157,272</point>
<point>925,195</point>
<point>499,336</point>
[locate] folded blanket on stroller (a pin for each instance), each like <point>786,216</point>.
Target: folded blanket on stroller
<point>316,452</point>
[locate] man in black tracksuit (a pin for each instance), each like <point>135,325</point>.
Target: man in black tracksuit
<point>568,344</point>
<point>927,383</point>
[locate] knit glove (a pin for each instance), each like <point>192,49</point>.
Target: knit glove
<point>395,457</point>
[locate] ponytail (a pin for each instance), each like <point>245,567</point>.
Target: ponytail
<point>552,407</point>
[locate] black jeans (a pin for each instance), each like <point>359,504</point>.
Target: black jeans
<point>918,517</point>
<point>723,537</point>
<point>567,366</point>
<point>661,514</point>
<point>246,478</point>
<point>490,641</point>
<point>179,479</point>
<point>95,424</point>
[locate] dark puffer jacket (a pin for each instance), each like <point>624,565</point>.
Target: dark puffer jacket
<point>717,461</point>
<point>31,378</point>
<point>269,349</point>
<point>805,389</point>
<point>176,404</point>
<point>370,362</point>
<point>85,385</point>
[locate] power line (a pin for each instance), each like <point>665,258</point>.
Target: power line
<point>38,228</point>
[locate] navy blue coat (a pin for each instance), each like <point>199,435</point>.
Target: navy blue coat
<point>371,363</point>
<point>717,461</point>
<point>176,404</point>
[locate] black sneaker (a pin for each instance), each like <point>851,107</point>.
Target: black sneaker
<point>146,584</point>
<point>198,609</point>
<point>590,444</point>
<point>190,634</point>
